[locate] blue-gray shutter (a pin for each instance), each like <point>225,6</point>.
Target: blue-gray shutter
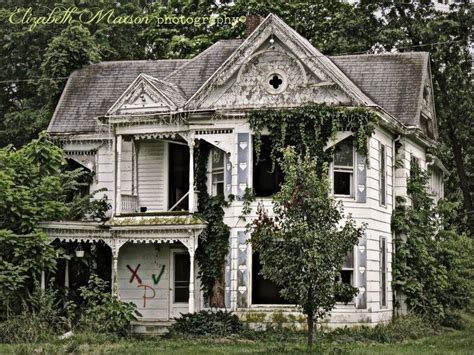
<point>362,273</point>
<point>243,162</point>
<point>242,270</point>
<point>361,189</point>
<point>228,175</point>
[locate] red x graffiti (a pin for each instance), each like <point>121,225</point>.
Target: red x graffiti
<point>134,274</point>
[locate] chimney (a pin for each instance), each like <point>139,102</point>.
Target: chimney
<point>251,23</point>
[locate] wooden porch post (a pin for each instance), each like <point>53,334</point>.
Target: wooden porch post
<point>118,160</point>
<point>191,281</point>
<point>66,275</point>
<point>43,280</point>
<point>191,176</point>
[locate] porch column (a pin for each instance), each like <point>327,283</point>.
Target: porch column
<point>66,275</point>
<point>118,160</point>
<point>113,278</point>
<point>191,281</point>
<point>191,176</point>
<point>43,280</point>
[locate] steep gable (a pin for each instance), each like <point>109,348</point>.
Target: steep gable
<point>275,66</point>
<point>147,95</point>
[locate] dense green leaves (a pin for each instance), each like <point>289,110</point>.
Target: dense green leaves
<point>433,265</point>
<point>302,245</point>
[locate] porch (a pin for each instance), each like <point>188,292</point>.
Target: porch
<point>153,262</point>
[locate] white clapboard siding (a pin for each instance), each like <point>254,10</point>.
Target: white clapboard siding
<point>152,176</point>
<point>151,258</point>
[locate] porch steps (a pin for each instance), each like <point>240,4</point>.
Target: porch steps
<point>150,327</point>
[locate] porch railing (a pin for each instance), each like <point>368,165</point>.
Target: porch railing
<point>129,203</point>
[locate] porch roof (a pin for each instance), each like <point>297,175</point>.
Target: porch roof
<point>139,228</point>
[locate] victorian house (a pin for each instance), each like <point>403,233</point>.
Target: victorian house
<point>135,125</point>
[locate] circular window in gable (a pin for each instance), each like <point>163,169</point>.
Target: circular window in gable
<point>276,82</point>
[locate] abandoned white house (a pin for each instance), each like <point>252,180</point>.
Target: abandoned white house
<point>135,125</point>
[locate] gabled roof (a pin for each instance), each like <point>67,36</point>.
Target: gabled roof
<point>300,47</point>
<point>394,81</point>
<point>92,90</point>
<point>150,94</point>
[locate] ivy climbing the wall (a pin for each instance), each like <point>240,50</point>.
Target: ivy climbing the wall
<point>214,241</point>
<point>433,264</point>
<point>309,128</point>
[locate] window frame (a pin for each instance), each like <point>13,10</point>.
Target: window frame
<point>216,171</point>
<point>344,169</point>
<point>173,284</point>
<point>382,175</point>
<point>383,285</point>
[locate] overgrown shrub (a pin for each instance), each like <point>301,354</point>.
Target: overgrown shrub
<point>208,323</point>
<point>102,312</point>
<point>41,319</point>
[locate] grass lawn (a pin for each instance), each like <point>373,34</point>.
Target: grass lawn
<point>447,342</point>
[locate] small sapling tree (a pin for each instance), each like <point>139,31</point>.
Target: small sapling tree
<point>303,244</point>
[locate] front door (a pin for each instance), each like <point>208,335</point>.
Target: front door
<point>179,282</point>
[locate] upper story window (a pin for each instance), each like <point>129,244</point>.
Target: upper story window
<point>217,171</point>
<point>266,177</point>
<point>383,175</point>
<point>343,168</point>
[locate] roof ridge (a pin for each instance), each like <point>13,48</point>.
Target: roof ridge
<point>377,54</point>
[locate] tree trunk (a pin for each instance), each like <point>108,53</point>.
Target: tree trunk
<point>310,322</point>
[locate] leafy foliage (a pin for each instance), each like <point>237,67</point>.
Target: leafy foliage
<point>433,265</point>
<point>303,246</point>
<point>214,242</point>
<point>102,312</point>
<point>208,323</point>
<point>309,128</point>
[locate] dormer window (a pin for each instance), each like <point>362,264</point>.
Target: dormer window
<point>343,168</point>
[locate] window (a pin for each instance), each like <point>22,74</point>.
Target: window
<point>383,271</point>
<point>347,271</point>
<point>181,277</point>
<point>178,176</point>
<point>217,171</point>
<point>263,290</point>
<point>383,175</point>
<point>343,168</point>
<point>265,181</point>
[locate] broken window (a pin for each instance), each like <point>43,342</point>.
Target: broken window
<point>343,168</point>
<point>267,177</point>
<point>346,275</point>
<point>178,176</point>
<point>217,171</point>
<point>264,291</point>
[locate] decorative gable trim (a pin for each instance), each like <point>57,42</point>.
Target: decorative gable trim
<point>148,95</point>
<point>321,66</point>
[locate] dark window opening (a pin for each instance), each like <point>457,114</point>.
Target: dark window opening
<point>264,291</point>
<point>346,275</point>
<point>343,168</point>
<point>265,181</point>
<point>178,176</point>
<point>181,278</point>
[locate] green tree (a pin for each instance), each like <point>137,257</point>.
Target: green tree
<point>303,245</point>
<point>433,265</point>
<point>35,186</point>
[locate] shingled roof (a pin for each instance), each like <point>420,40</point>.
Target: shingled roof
<point>393,80</point>
<point>92,90</point>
